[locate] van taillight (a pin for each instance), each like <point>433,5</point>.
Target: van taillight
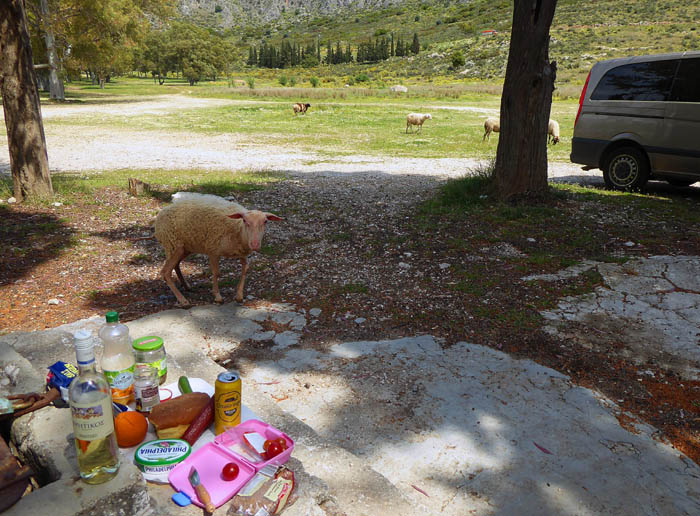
<point>580,101</point>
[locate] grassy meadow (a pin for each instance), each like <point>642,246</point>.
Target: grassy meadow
<point>341,121</point>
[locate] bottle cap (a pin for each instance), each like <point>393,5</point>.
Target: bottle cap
<point>149,343</point>
<point>112,316</point>
<point>83,339</point>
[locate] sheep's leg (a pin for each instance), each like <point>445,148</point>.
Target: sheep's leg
<point>183,283</point>
<point>420,127</point>
<point>485,135</point>
<point>407,125</point>
<point>167,274</point>
<point>214,265</point>
<point>241,282</point>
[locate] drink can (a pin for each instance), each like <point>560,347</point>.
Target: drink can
<point>227,401</point>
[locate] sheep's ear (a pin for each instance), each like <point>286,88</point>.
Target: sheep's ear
<point>272,216</point>
<point>236,216</point>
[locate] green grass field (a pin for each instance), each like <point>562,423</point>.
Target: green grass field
<point>340,121</point>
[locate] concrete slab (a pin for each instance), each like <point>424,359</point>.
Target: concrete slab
<point>479,432</point>
<point>652,304</point>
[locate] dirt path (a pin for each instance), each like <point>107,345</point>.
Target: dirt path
<point>82,148</point>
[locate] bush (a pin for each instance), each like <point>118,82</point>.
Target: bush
<point>380,32</point>
<point>292,81</point>
<point>361,77</point>
<point>218,9</point>
<point>457,59</point>
<point>417,18</point>
<point>439,22</point>
<point>309,61</point>
<point>282,80</point>
<point>314,82</point>
<point>251,82</point>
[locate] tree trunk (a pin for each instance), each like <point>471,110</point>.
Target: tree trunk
<point>56,90</point>
<point>20,101</point>
<point>521,158</point>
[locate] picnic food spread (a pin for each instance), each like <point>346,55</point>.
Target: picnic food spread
<point>196,436</point>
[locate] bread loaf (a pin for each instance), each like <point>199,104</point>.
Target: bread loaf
<point>171,418</point>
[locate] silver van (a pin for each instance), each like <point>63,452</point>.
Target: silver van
<point>639,119</point>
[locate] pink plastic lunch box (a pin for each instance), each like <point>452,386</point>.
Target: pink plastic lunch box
<point>210,459</point>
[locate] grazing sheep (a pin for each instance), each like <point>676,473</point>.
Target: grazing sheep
<point>417,119</point>
<point>210,225</point>
<point>553,132</point>
<point>491,125</point>
<point>300,108</point>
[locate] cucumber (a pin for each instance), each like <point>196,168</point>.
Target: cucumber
<point>184,385</point>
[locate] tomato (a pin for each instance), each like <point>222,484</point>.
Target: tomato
<point>267,444</point>
<point>282,442</point>
<point>273,450</point>
<point>230,471</point>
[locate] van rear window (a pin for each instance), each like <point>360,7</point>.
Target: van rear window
<point>650,81</point>
<point>686,86</point>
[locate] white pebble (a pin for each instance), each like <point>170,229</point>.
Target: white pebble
<point>630,244</point>
<point>11,200</point>
<point>404,265</point>
<point>360,320</point>
<point>57,204</point>
<point>408,254</point>
<point>315,312</point>
<point>530,239</point>
<point>444,266</point>
<point>54,301</point>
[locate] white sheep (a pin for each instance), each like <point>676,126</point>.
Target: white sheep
<point>553,132</point>
<point>417,119</point>
<point>491,125</point>
<point>211,225</point>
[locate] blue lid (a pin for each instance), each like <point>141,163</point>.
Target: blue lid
<point>181,499</point>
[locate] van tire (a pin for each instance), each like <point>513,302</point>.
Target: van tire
<point>626,168</point>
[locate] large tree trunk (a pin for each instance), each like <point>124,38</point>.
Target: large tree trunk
<point>20,101</point>
<point>56,90</point>
<point>521,158</point>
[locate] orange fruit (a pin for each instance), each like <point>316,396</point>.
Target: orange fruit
<point>131,428</point>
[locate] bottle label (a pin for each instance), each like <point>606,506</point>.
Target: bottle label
<point>121,382</point>
<point>160,365</point>
<point>92,421</point>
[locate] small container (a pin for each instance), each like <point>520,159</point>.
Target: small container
<point>146,387</point>
<point>157,458</point>
<point>150,350</point>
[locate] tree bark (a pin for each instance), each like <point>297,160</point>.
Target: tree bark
<point>20,101</point>
<point>521,159</point>
<point>56,90</point>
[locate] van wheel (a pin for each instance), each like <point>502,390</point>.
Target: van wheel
<point>626,168</point>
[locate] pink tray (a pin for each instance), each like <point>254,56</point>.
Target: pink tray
<point>210,459</point>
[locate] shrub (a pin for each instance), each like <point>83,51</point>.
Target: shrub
<point>309,61</point>
<point>457,59</point>
<point>417,18</point>
<point>361,77</point>
<point>380,32</point>
<point>251,82</point>
<point>292,81</point>
<point>218,9</point>
<point>282,80</point>
<point>439,22</point>
<point>314,82</point>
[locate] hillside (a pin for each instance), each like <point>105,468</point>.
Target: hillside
<point>583,31</point>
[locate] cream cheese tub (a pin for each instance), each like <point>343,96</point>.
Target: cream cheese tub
<point>156,458</point>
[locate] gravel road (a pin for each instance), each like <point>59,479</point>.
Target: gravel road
<point>83,148</point>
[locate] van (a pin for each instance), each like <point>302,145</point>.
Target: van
<point>639,119</point>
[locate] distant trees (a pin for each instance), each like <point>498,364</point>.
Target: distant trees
<point>290,54</point>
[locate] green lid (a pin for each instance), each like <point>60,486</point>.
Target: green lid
<point>112,316</point>
<point>162,452</point>
<point>149,343</point>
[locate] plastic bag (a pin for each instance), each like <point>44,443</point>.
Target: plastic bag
<point>264,494</point>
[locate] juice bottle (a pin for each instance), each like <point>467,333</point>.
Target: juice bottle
<point>118,358</point>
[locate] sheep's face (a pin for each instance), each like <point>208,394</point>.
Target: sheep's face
<point>555,140</point>
<point>428,117</point>
<point>254,222</point>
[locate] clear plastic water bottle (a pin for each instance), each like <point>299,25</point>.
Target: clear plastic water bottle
<point>118,358</point>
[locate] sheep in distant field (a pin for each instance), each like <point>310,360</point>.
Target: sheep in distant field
<point>553,132</point>
<point>491,125</point>
<point>300,108</point>
<point>417,119</point>
<point>211,225</point>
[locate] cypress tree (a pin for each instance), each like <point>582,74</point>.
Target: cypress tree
<point>415,46</point>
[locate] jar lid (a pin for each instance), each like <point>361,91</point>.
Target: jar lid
<point>149,343</point>
<point>112,316</point>
<point>162,452</point>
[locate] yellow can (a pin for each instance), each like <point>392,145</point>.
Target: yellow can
<point>227,401</point>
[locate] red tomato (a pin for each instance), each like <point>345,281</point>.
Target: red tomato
<point>230,471</point>
<point>273,450</point>
<point>267,444</point>
<point>282,442</point>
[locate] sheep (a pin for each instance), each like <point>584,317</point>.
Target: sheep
<point>417,119</point>
<point>300,108</point>
<point>211,225</point>
<point>553,132</point>
<point>491,125</point>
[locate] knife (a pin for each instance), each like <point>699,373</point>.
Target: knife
<point>201,491</point>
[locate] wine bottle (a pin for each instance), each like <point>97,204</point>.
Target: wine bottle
<point>91,409</point>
